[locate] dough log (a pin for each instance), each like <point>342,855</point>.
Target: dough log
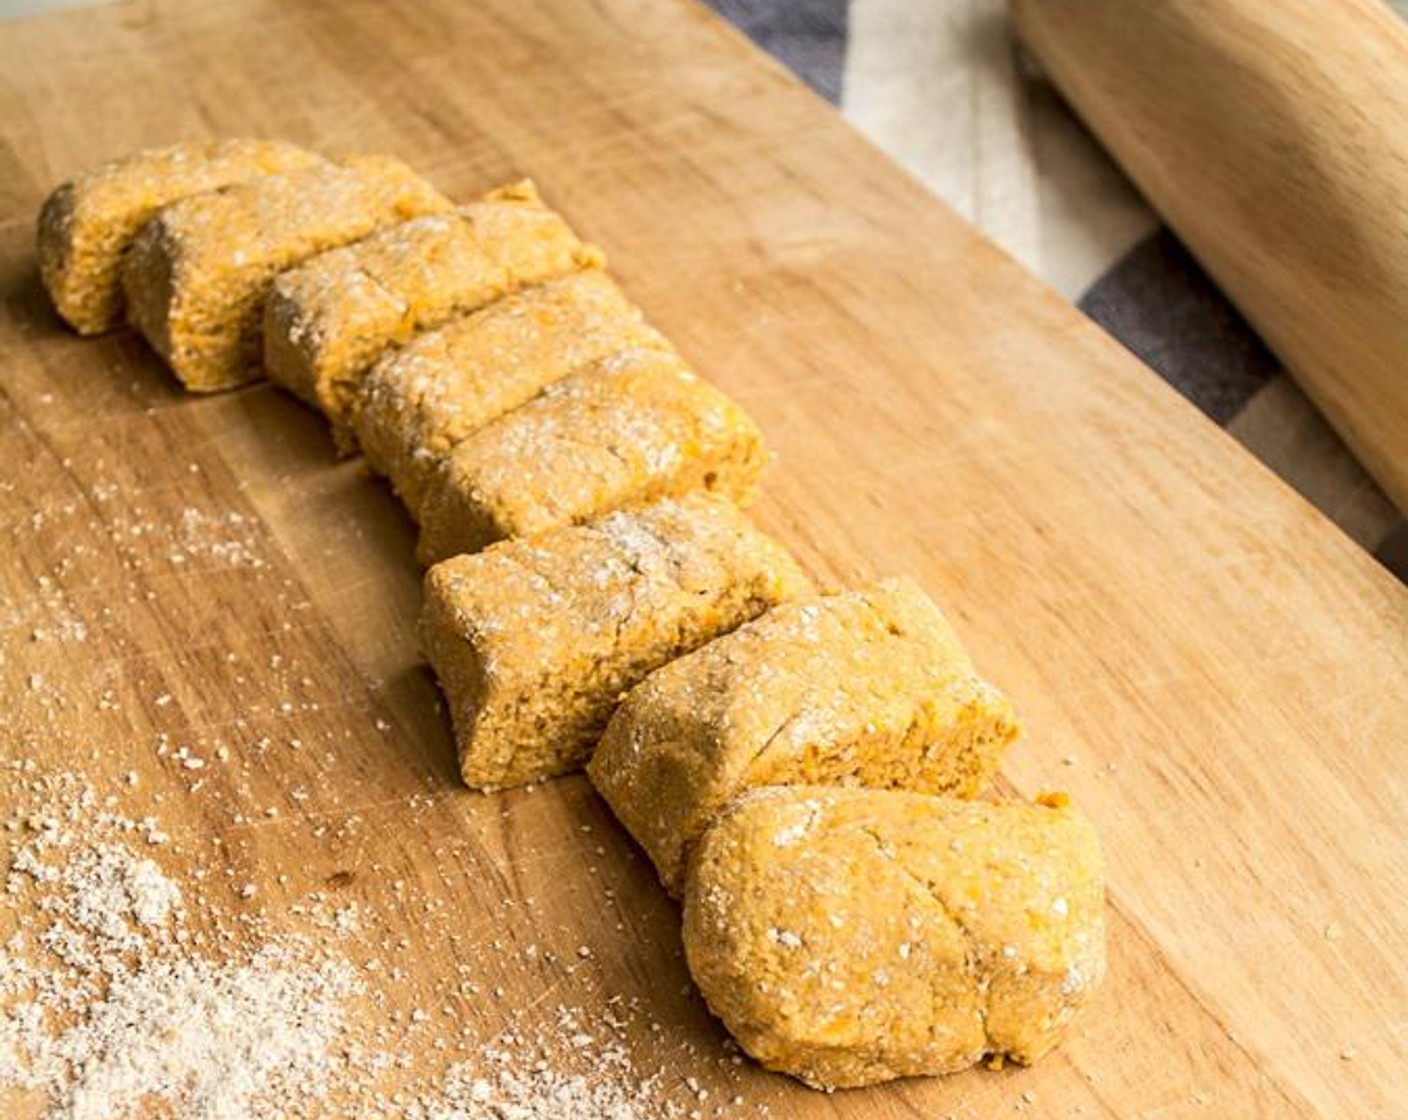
<point>848,937</point>
<point>633,428</point>
<point>88,223</point>
<point>420,402</point>
<point>330,318</point>
<point>197,276</point>
<point>866,687</point>
<point>534,641</point>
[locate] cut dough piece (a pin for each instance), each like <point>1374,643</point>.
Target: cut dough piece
<point>88,223</point>
<point>632,428</point>
<point>198,274</point>
<point>866,687</point>
<point>535,640</point>
<point>422,401</point>
<point>848,937</point>
<point>330,318</point>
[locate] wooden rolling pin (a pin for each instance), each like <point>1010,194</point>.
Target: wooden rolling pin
<point>1272,135</point>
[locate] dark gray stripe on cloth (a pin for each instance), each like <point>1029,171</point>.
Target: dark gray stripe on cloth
<point>1161,305</point>
<point>806,36</point>
<point>1393,552</point>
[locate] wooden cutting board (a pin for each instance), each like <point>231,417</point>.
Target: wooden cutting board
<point>1217,675</point>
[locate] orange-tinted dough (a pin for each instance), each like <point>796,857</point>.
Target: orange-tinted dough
<point>330,318</point>
<point>852,936</point>
<point>633,428</point>
<point>420,402</point>
<point>198,274</point>
<point>88,223</point>
<point>867,687</point>
<point>535,640</point>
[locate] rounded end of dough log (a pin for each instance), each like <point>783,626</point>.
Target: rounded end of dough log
<point>849,937</point>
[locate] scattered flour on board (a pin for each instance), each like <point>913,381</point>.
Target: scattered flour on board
<point>505,1086</point>
<point>110,1008</point>
<point>116,1002</point>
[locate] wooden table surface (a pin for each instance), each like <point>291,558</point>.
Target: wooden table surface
<point>1215,673</point>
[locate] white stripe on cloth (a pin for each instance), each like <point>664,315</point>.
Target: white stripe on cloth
<point>937,84</point>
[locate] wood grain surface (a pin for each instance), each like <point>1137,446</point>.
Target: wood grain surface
<point>1274,139</point>
<point>1213,671</point>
